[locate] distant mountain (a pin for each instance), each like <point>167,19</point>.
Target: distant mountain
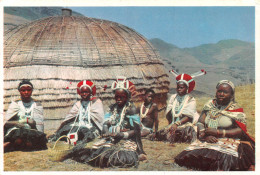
<point>227,53</point>
<point>221,51</point>
<point>244,58</point>
<point>163,46</point>
<point>228,59</point>
<point>11,21</point>
<point>33,13</point>
<point>14,16</point>
<point>172,53</point>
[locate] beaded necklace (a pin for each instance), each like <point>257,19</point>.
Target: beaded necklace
<point>143,115</point>
<point>26,109</point>
<point>177,110</point>
<point>214,114</point>
<point>84,114</point>
<point>122,115</point>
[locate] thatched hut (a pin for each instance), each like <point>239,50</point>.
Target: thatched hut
<point>57,52</point>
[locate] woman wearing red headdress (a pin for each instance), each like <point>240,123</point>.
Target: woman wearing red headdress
<point>85,120</point>
<point>121,144</point>
<point>181,112</point>
<point>223,143</point>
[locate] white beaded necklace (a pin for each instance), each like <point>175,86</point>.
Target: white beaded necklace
<point>27,108</point>
<point>85,111</point>
<point>121,115</point>
<point>143,115</point>
<point>81,115</point>
<point>183,101</point>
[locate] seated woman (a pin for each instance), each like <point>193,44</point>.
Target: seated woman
<point>223,142</point>
<point>148,114</point>
<point>85,119</point>
<point>181,112</point>
<point>121,143</point>
<point>23,122</point>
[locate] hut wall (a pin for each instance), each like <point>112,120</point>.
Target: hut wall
<point>55,87</point>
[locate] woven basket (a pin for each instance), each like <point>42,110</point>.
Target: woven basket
<point>60,150</point>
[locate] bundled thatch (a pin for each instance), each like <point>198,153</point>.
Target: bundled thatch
<point>55,53</point>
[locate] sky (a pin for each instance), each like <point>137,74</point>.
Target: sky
<point>182,26</point>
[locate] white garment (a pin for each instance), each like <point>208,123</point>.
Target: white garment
<point>23,110</point>
<point>186,105</point>
<point>96,112</point>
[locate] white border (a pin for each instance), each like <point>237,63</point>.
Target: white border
<point>255,3</point>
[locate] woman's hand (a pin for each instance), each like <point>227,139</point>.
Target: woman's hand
<point>201,134</point>
<point>119,136</point>
<point>49,136</point>
<point>19,125</point>
<point>211,132</point>
<point>169,126</point>
<point>105,131</point>
<point>173,128</point>
<point>153,136</point>
<point>32,123</point>
<point>211,139</point>
<point>116,137</point>
<point>106,134</point>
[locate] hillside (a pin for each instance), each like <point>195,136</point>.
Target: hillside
<point>11,21</point>
<point>222,51</point>
<point>228,59</point>
<point>33,13</point>
<point>172,52</point>
<point>14,16</point>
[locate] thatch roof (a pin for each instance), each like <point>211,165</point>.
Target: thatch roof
<point>58,52</point>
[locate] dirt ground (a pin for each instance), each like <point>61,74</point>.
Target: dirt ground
<point>160,158</point>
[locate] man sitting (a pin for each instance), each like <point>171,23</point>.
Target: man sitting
<point>148,114</point>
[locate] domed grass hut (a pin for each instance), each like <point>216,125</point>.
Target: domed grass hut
<point>57,52</point>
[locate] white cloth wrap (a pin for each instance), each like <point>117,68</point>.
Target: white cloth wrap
<point>37,113</point>
<point>96,112</point>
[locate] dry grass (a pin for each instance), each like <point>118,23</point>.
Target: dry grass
<point>160,155</point>
<point>245,96</point>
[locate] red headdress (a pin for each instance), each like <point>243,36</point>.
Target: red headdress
<point>122,83</point>
<point>88,84</point>
<point>188,79</point>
